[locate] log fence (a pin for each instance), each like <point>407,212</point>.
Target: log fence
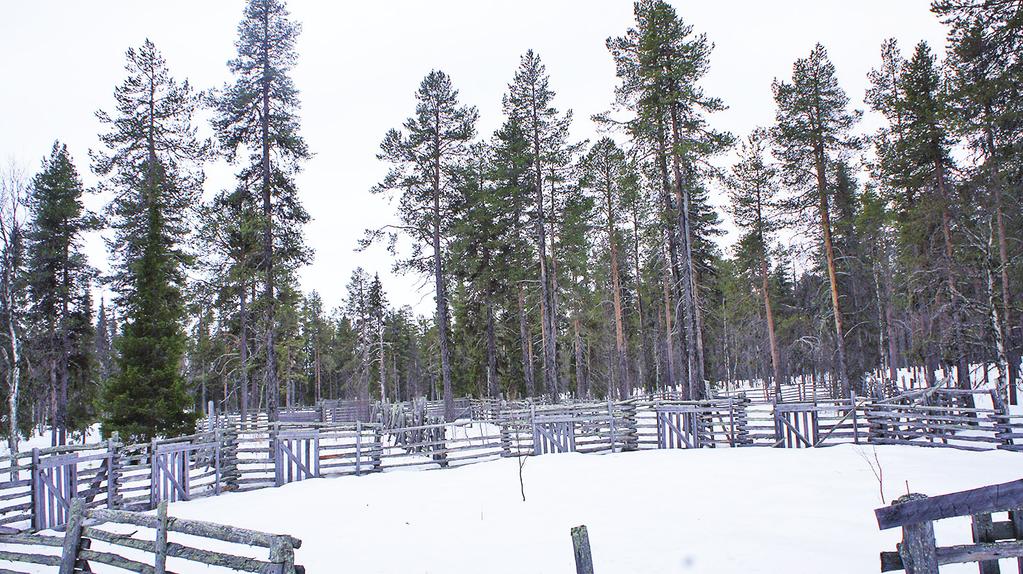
<point>137,542</point>
<point>234,455</point>
<point>918,553</point>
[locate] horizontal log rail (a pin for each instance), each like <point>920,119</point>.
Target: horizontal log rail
<point>918,552</point>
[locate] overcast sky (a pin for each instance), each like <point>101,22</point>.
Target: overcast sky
<point>361,62</point>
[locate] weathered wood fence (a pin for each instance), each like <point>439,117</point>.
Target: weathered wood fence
<point>100,536</point>
<point>232,455</point>
<point>918,553</point>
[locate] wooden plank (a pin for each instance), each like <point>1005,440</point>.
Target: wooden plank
<point>581,548</point>
<point>72,537</point>
<point>994,498</point>
<point>160,546</point>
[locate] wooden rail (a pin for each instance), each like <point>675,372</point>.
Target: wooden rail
<point>918,552</point>
<point>87,542</point>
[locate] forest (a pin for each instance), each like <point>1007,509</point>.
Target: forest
<point>558,268</point>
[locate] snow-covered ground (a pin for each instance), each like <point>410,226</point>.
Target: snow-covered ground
<point>708,510</point>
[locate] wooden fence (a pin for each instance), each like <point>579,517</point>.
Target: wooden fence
<point>918,553</point>
<point>233,455</point>
<point>99,536</point>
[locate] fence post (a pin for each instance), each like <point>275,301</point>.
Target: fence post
<point>154,483</point>
<point>1001,421</point>
<point>72,537</point>
<point>358,448</point>
<point>378,450</point>
<point>779,438</point>
<point>917,549</point>
<point>37,500</point>
<point>855,422</point>
<point>160,552</point>
<point>983,531</point>
<point>581,547</point>
<point>611,416</point>
<point>113,472</point>
<point>282,555</point>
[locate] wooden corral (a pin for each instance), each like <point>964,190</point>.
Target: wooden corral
<point>232,455</point>
<point>100,536</point>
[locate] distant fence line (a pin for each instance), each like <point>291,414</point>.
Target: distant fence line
<point>233,455</point>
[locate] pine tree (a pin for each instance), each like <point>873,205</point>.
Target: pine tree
<point>609,176</point>
<point>150,166</point>
<point>424,157</point>
<point>661,63</point>
<point>986,71</point>
<point>811,133</point>
<point>753,191</point>
<point>925,146</point>
<point>57,272</point>
<point>529,103</point>
<point>258,115</point>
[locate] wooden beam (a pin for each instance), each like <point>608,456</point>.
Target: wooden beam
<point>581,547</point>
<point>72,537</point>
<point>994,498</point>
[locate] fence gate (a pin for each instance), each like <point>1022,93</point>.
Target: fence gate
<point>795,425</point>
<point>553,434</point>
<point>678,426</point>
<point>54,485</point>
<point>172,466</point>
<point>296,456</point>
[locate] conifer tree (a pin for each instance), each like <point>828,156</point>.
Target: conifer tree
<point>424,158</point>
<point>529,103</point>
<point>660,64</point>
<point>257,119</point>
<point>986,71</point>
<point>753,191</point>
<point>150,165</point>
<point>57,272</point>
<point>811,133</point>
<point>609,176</point>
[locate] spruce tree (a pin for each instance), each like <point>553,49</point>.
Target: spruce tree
<point>150,165</point>
<point>257,120</point>
<point>57,273</point>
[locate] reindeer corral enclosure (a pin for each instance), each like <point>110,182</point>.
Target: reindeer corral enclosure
<point>230,455</point>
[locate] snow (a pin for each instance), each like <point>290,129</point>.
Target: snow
<point>706,510</point>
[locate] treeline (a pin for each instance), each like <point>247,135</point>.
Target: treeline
<point>558,266</point>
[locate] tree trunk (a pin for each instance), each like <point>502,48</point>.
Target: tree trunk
<point>621,347</point>
<point>829,253</point>
<point>272,385</point>
<point>962,367</point>
<point>1003,260</point>
<point>492,387</point>
<point>694,363</point>
<point>442,297</point>
<point>581,389</point>
<point>641,363</point>
<point>527,345</point>
<point>546,304</point>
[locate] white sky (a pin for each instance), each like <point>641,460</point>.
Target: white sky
<point>360,64</point>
